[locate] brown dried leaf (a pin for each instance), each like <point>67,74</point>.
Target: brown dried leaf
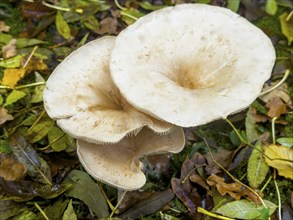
<point>35,9</point>
<point>276,107</point>
<point>223,157</point>
<point>4,27</point>
<point>108,26</point>
<point>10,169</point>
<point>35,64</point>
<point>280,92</point>
<point>9,50</point>
<point>12,76</point>
<point>4,116</point>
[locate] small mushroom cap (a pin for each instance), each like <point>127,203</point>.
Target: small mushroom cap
<point>195,62</point>
<point>81,96</point>
<point>119,165</point>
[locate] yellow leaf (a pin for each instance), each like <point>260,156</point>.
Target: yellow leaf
<point>12,76</point>
<point>285,168</point>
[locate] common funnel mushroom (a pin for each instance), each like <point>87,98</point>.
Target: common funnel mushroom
<point>118,164</point>
<point>191,64</point>
<point>81,96</point>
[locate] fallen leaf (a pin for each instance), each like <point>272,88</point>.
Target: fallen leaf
<point>86,190</point>
<point>12,62</point>
<point>56,210</point>
<point>37,95</point>
<point>223,188</point>
<point>244,209</point>
<point>9,209</point>
<point>250,125</point>
<point>287,27</point>
<point>9,50</point>
<point>271,7</point>
<point>62,26</point>
<point>222,156</point>
<point>36,166</point>
<point>285,168</point>
<point>257,168</point>
<point>108,26</point>
<point>40,130</point>
<point>4,27</point>
<point>149,205</point>
<point>35,64</point>
<point>285,141</point>
<point>10,169</point>
<point>12,76</point>
<point>4,116</point>
<point>276,107</point>
<point>69,213</point>
<point>14,96</point>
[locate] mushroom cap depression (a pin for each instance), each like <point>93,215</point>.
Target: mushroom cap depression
<point>119,165</point>
<point>191,64</point>
<point>81,96</point>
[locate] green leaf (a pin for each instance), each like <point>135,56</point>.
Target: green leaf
<point>287,27</point>
<point>69,213</point>
<point>37,167</point>
<point>40,130</point>
<point>91,23</point>
<point>25,215</point>
<point>38,91</point>
<point>4,147</point>
<point>148,6</point>
<point>5,38</point>
<point>13,62</point>
<point>62,27</point>
<point>9,209</point>
<point>14,96</point>
<point>233,5</point>
<point>244,209</point>
<point>56,210</point>
<point>57,139</point>
<point>250,125</point>
<point>25,42</point>
<point>271,7</point>
<point>1,99</point>
<point>86,190</point>
<point>285,141</point>
<point>257,168</point>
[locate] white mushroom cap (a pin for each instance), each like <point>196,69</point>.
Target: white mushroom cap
<point>81,96</point>
<point>191,64</point>
<point>119,165</point>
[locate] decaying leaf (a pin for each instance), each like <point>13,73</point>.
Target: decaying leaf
<point>9,50</point>
<point>183,188</point>
<point>244,209</point>
<point>40,130</point>
<point>12,76</point>
<point>108,26</point>
<point>285,168</point>
<point>250,125</point>
<point>149,205</point>
<point>4,27</point>
<point>4,116</point>
<point>10,169</point>
<point>36,166</point>
<point>223,156</point>
<point>276,107</point>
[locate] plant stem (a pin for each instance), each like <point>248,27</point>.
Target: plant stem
<point>279,197</point>
<point>273,130</point>
<point>118,203</point>
<point>203,211</point>
<point>41,211</point>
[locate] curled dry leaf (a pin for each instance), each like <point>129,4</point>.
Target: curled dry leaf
<point>4,116</point>
<point>4,27</point>
<point>9,50</point>
<point>276,152</point>
<point>276,107</point>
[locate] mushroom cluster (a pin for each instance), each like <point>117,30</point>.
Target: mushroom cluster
<point>128,96</point>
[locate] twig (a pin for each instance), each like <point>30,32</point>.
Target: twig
<point>273,130</point>
<point>38,119</point>
<point>30,56</point>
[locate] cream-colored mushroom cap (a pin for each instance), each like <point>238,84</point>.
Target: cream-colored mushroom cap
<point>81,96</point>
<point>119,165</point>
<point>191,64</point>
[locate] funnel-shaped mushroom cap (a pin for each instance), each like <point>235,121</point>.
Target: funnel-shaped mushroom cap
<point>119,165</point>
<point>191,64</point>
<point>81,96</point>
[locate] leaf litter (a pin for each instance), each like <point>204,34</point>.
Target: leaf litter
<point>39,171</point>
